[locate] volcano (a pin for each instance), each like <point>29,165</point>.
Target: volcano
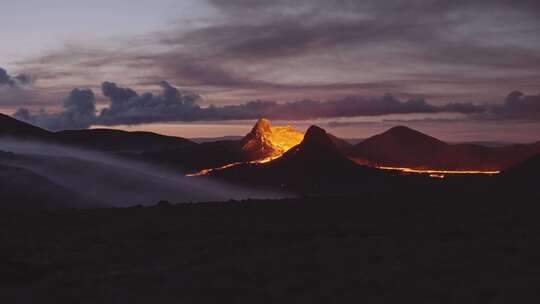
<point>316,165</point>
<point>266,142</point>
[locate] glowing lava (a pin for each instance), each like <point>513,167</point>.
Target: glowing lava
<point>266,141</point>
<point>436,173</point>
<point>263,144</point>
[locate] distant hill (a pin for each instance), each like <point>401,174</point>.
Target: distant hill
<point>109,140</point>
<point>211,139</point>
<point>119,141</point>
<point>404,147</point>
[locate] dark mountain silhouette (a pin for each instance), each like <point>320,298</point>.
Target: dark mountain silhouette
<point>211,139</point>
<point>98,139</point>
<point>174,152</point>
<point>343,145</point>
<point>21,189</point>
<point>524,174</point>
<point>120,141</point>
<point>14,128</point>
<point>405,147</point>
<point>529,167</point>
<point>197,157</point>
<point>316,165</point>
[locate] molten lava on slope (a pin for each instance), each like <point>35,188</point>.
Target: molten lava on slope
<point>263,144</point>
<point>269,142</point>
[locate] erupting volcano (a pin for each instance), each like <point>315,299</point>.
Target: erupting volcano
<point>398,149</point>
<point>266,142</point>
<point>263,144</point>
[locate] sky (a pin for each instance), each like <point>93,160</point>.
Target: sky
<point>460,70</point>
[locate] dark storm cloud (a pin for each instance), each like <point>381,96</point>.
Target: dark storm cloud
<point>14,81</point>
<point>519,106</point>
<point>128,107</point>
<point>173,105</point>
<point>79,111</point>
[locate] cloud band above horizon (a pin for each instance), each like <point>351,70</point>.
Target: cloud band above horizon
<point>127,107</point>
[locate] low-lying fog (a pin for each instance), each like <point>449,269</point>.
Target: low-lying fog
<point>107,180</point>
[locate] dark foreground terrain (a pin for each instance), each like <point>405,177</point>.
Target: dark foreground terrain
<point>406,247</point>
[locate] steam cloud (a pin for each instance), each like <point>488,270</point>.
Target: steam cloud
<point>105,180</point>
<point>129,107</point>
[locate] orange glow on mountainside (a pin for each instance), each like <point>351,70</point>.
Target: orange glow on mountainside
<point>265,142</point>
<point>271,141</point>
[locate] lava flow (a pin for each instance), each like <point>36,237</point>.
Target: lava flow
<point>268,142</point>
<point>263,144</point>
<point>436,173</point>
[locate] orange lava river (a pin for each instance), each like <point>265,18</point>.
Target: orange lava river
<point>437,173</point>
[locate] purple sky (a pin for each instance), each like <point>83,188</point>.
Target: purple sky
<point>346,57</point>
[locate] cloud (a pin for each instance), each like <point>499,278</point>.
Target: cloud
<point>518,106</point>
<point>174,105</point>
<point>16,90</point>
<point>14,81</point>
<point>285,50</point>
<point>79,111</point>
<point>128,107</point>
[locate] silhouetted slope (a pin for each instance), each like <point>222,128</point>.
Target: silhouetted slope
<point>523,176</point>
<point>120,141</point>
<point>200,156</point>
<point>14,128</point>
<point>343,145</point>
<point>97,139</point>
<point>314,166</point>
<point>21,188</point>
<point>404,147</point>
<point>317,148</point>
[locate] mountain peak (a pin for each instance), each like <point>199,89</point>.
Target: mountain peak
<point>316,135</point>
<point>316,139</point>
<point>266,141</point>
<point>262,125</point>
<point>260,129</point>
<point>405,135</point>
<point>403,130</point>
